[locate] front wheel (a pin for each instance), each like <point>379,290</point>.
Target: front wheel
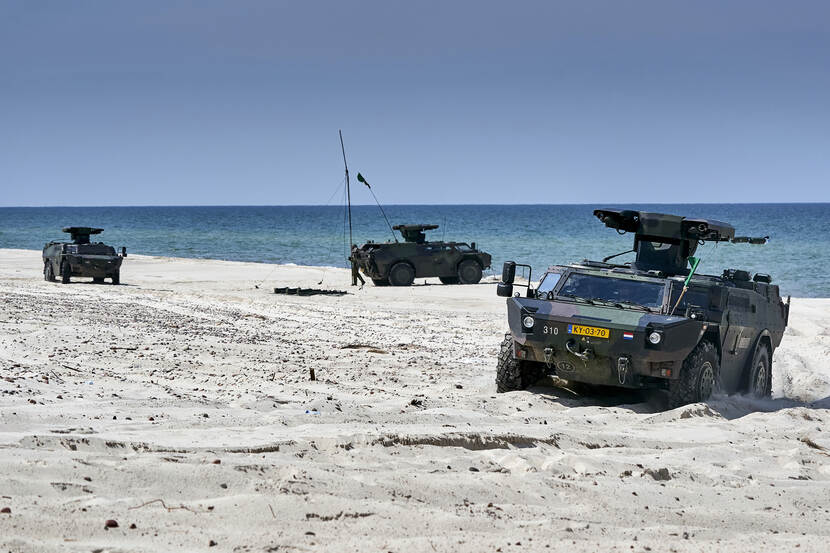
<point>48,272</point>
<point>116,277</point>
<point>760,376</point>
<point>698,376</point>
<point>66,273</point>
<point>469,272</point>
<point>514,374</point>
<point>401,274</point>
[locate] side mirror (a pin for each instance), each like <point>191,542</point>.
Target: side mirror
<point>473,245</point>
<point>504,290</point>
<point>123,251</point>
<point>508,272</point>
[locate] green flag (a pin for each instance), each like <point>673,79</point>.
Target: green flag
<point>695,261</point>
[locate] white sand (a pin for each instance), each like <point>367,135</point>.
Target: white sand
<point>400,445</point>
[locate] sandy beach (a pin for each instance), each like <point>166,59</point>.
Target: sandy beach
<point>180,406</point>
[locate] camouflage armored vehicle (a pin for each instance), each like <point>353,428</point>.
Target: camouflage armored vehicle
<point>400,263</point>
<point>651,323</point>
<point>81,258</point>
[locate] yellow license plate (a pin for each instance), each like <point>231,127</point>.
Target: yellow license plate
<point>591,331</point>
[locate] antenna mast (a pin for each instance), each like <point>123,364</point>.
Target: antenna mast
<point>348,188</point>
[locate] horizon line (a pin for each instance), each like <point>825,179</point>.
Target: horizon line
<point>804,202</point>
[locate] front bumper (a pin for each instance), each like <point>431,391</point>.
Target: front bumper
<point>94,267</point>
<point>625,358</point>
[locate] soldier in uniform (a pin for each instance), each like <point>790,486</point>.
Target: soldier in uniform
<point>355,269</point>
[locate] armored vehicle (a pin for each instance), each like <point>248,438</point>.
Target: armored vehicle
<point>651,323</point>
<point>81,258</point>
<point>400,263</point>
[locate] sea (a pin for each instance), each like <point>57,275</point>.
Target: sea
<point>797,254</point>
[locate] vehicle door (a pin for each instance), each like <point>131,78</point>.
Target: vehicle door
<point>739,337</point>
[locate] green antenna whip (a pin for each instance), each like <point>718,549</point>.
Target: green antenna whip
<point>695,262</point>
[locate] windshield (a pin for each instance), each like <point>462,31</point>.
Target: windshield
<point>616,290</point>
<point>90,249</point>
<point>547,285</point>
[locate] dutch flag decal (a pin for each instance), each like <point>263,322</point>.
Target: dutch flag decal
<point>628,335</point>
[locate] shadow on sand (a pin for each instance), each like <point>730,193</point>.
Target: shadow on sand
<point>574,395</point>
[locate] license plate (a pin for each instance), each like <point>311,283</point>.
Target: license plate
<point>592,331</point>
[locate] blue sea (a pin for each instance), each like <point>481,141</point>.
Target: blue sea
<point>797,255</point>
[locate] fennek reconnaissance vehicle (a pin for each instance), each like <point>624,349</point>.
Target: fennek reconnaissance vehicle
<point>400,263</point>
<point>650,323</point>
<point>82,258</point>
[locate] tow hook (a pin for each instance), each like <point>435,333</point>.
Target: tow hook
<point>585,356</point>
<point>623,365</point>
<point>548,355</point>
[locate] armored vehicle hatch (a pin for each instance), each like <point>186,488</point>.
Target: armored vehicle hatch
<point>400,263</point>
<point>650,323</point>
<point>82,258</point>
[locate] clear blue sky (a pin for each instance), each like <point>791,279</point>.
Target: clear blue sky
<point>205,102</point>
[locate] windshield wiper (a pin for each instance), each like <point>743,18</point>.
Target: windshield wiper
<point>575,297</point>
<point>606,302</point>
<point>637,305</point>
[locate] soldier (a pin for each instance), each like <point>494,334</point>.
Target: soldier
<point>355,269</point>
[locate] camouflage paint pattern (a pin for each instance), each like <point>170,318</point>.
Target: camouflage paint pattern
<point>427,259</point>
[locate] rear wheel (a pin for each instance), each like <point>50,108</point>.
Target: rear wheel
<point>116,277</point>
<point>448,280</point>
<point>760,376</point>
<point>469,272</point>
<point>401,274</point>
<point>66,273</point>
<point>48,272</point>
<point>698,376</point>
<point>98,280</point>
<point>513,374</point>
<point>380,281</point>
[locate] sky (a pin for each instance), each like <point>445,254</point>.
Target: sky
<point>205,102</point>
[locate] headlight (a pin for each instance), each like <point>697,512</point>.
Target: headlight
<point>528,322</point>
<point>655,338</point>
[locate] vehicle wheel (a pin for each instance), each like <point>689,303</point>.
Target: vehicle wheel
<point>469,272</point>
<point>66,273</point>
<point>401,274</point>
<point>48,272</point>
<point>448,280</point>
<point>513,374</point>
<point>380,281</point>
<point>97,280</point>
<point>698,376</point>
<point>116,277</point>
<point>760,375</point>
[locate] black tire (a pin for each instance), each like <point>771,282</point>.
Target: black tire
<point>759,382</point>
<point>401,274</point>
<point>116,277</point>
<point>98,280</point>
<point>66,273</point>
<point>513,374</point>
<point>380,282</point>
<point>469,272</point>
<point>48,272</point>
<point>698,376</point>
<point>448,280</point>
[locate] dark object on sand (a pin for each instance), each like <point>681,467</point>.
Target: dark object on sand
<point>400,263</point>
<point>81,258</point>
<point>308,292</point>
<point>648,323</point>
